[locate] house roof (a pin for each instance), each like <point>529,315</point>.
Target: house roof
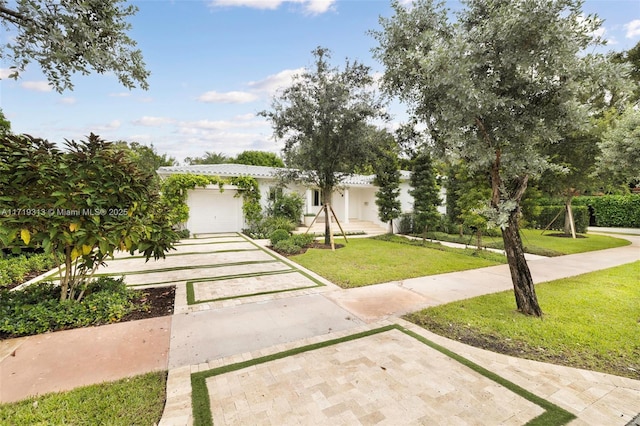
<point>231,170</point>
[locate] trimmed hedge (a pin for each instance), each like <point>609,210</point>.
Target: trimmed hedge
<point>547,213</point>
<point>614,210</point>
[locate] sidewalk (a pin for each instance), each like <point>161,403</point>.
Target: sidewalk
<point>249,302</point>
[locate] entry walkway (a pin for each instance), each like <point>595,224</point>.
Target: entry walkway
<point>334,356</point>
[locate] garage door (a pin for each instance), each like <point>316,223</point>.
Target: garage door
<point>213,211</point>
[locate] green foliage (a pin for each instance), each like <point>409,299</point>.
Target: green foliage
<point>259,158</point>
<point>287,246</point>
<point>323,119</point>
<point>38,308</point>
<point>405,224</point>
<point>425,193</point>
<point>83,204</point>
<point>614,210</point>
<point>387,178</point>
<point>302,240</point>
<point>183,233</point>
<point>146,156</point>
<point>135,400</point>
<point>5,125</point>
<point>620,148</point>
<point>14,269</point>
<point>546,214</point>
<point>73,37</point>
<point>266,225</point>
<point>208,158</point>
<point>289,206</point>
<point>175,190</point>
<point>278,235</point>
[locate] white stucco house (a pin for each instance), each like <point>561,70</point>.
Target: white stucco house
<point>212,210</point>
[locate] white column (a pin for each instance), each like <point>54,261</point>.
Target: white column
<point>309,196</point>
<point>346,205</point>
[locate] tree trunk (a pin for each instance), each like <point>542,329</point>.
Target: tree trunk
<point>479,239</point>
<point>326,202</point>
<point>523,288</point>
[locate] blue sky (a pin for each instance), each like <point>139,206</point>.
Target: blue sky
<point>214,64</point>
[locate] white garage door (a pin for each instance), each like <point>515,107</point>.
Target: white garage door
<point>213,211</point>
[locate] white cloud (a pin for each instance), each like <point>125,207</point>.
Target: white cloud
<point>68,101</point>
<point>112,125</point>
<point>633,28</point>
<point>313,7</point>
<point>6,72</point>
<point>153,121</point>
<point>227,97</point>
<point>38,86</point>
<point>275,81</point>
<point>245,121</point>
<point>119,95</point>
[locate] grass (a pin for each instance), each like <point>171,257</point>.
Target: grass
<point>133,401</point>
<point>553,414</point>
<point>368,261</point>
<point>590,321</point>
<point>544,245</point>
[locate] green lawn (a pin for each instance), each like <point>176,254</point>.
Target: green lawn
<point>134,401</point>
<point>545,245</point>
<point>365,261</point>
<point>590,321</point>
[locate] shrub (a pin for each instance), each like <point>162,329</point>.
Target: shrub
<point>614,210</point>
<point>183,234</point>
<point>302,240</point>
<point>405,223</point>
<point>278,235</point>
<point>14,269</point>
<point>288,206</point>
<point>37,308</point>
<point>264,227</point>
<point>287,246</point>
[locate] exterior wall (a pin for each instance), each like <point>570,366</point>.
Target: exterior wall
<point>211,210</point>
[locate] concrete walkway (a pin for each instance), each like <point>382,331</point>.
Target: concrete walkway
<point>236,301</point>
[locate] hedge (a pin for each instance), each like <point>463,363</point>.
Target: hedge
<point>614,210</point>
<point>547,213</point>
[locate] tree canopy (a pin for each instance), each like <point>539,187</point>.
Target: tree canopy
<point>322,118</point>
<point>66,37</point>
<point>490,86</point>
<point>259,158</point>
<point>208,158</point>
<point>620,148</point>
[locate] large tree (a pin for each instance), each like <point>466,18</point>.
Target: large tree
<point>425,193</point>
<point>69,36</point>
<point>208,158</point>
<point>259,158</point>
<point>322,118</point>
<point>491,85</point>
<point>620,149</point>
<point>146,157</point>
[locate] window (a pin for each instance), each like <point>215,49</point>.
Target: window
<point>275,192</point>
<point>317,198</point>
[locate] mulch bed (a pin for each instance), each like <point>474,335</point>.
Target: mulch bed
<point>160,301</point>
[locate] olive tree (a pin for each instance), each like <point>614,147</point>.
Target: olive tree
<point>69,36</point>
<point>323,119</point>
<point>490,86</point>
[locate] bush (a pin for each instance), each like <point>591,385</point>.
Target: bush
<point>288,206</point>
<point>287,246</point>
<point>264,228</point>
<point>278,235</point>
<point>614,210</point>
<point>183,234</point>
<point>37,308</point>
<point>405,223</point>
<point>302,240</point>
<point>14,269</point>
